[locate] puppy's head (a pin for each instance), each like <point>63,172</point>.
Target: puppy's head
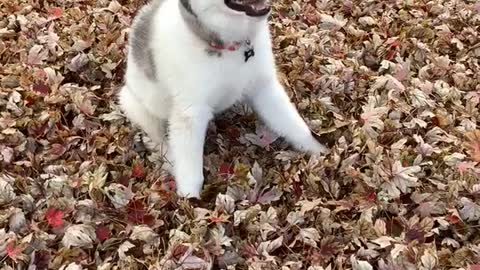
<point>232,18</point>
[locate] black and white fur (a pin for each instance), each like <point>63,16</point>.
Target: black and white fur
<point>175,80</point>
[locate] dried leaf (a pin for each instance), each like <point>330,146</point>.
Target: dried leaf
<point>54,217</point>
<point>143,233</point>
<point>37,55</point>
<point>309,236</point>
<point>79,235</point>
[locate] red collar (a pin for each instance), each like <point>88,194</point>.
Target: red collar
<point>231,47</point>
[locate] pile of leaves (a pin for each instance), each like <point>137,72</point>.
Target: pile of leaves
<point>392,86</point>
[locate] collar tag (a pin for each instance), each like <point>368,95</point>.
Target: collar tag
<point>249,53</point>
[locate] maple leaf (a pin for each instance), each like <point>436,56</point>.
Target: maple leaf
<point>137,213</point>
<point>119,194</point>
<point>295,218</point>
<point>263,137</point>
<point>55,13</point>
<point>79,235</point>
<point>389,82</point>
<point>95,179</point>
<point>41,88</point>
<point>309,236</point>
<point>429,259</point>
<point>225,203</point>
<point>474,144</point>
<point>269,246</point>
<point>138,171</point>
<point>470,210</point>
<point>77,62</point>
<point>102,232</point>
<point>360,265</point>
<point>371,118</point>
<point>332,23</point>
<point>143,233</point>
<point>42,259</point>
<point>37,55</point>
<point>329,246</point>
<point>7,193</point>
<point>15,251</point>
<point>266,197</point>
<point>54,217</point>
<point>226,170</point>
<point>123,248</point>
<point>194,262</point>
<point>114,6</point>
<point>187,258</point>
<point>403,176</point>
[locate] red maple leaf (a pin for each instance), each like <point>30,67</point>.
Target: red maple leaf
<point>29,100</point>
<point>137,213</point>
<point>55,13</point>
<point>14,251</point>
<point>179,251</point>
<point>138,171</point>
<point>41,88</point>
<point>11,249</point>
<point>454,219</point>
<point>54,217</point>
<point>225,170</point>
<point>297,189</point>
<point>371,196</point>
<point>103,233</point>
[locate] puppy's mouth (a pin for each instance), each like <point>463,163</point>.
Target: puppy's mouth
<point>253,8</point>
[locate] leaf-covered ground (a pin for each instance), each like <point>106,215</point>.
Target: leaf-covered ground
<point>394,87</point>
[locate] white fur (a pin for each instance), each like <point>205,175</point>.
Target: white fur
<point>192,86</point>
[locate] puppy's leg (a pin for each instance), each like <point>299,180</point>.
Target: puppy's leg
<point>138,115</point>
<point>188,126</point>
<point>272,104</point>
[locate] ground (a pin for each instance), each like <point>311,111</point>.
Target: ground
<point>392,86</point>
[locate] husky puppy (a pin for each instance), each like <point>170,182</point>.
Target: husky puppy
<point>190,59</point>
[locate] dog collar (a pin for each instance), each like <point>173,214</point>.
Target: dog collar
<point>248,53</point>
<point>229,47</point>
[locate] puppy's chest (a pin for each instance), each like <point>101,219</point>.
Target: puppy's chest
<point>230,79</point>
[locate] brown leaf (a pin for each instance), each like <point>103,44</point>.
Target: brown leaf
<point>474,144</point>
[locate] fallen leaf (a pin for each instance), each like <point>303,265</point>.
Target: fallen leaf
<point>37,55</point>
<point>138,171</point>
<point>474,144</point>
<point>79,235</point>
<point>54,217</point>
<point>137,213</point>
<point>470,211</point>
<point>143,233</point>
<point>55,13</point>
<point>42,89</point>
<point>102,233</point>
<point>309,236</point>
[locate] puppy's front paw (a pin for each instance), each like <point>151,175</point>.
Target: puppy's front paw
<point>319,148</point>
<point>189,189</point>
<point>314,147</point>
<point>313,144</point>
